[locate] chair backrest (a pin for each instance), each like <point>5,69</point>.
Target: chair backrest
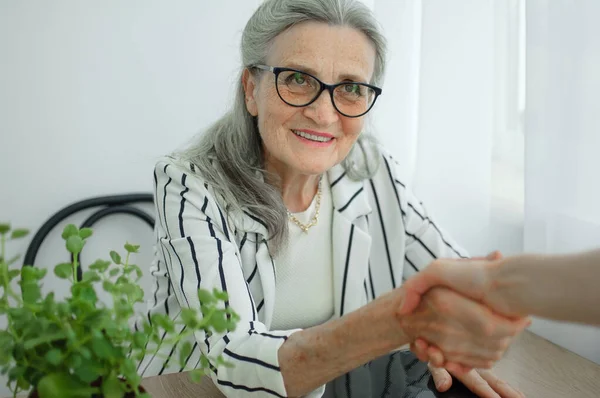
<point>108,205</point>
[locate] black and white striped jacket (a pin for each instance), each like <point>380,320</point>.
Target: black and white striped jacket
<point>381,235</point>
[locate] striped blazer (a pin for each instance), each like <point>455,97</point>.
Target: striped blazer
<point>381,235</point>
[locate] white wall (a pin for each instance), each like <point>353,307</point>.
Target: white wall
<point>93,94</point>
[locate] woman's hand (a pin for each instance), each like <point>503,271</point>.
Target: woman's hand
<point>483,383</point>
<point>467,332</point>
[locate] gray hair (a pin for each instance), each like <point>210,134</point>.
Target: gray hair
<point>229,154</point>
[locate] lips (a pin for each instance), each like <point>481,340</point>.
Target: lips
<point>312,137</point>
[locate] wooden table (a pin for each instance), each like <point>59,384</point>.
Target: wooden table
<point>537,367</point>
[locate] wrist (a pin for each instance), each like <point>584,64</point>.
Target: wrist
<point>388,319</point>
<point>502,286</point>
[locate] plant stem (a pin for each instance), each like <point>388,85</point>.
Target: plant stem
<point>2,246</point>
<point>75,266</point>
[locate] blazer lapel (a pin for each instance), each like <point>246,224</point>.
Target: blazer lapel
<point>257,232</point>
<point>350,239</point>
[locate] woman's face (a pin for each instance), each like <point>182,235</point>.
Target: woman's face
<point>332,54</point>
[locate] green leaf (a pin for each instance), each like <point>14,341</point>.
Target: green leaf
<point>75,244</point>
<point>64,270</point>
<point>91,276</point>
<point>205,297</point>
<point>204,363</point>
<point>13,273</point>
<point>219,321</point>
<point>69,231</point>
<point>63,309</point>
<point>108,286</point>
<point>49,304</point>
<point>115,257</point>
<point>44,339</point>
<point>19,233</point>
<point>23,384</point>
<point>132,248</point>
<point>87,371</point>
<point>101,347</point>
<point>184,352</point>
<point>114,272</point>
<point>30,291</point>
<point>75,361</point>
<point>190,318</point>
<point>196,375</point>
<point>85,352</point>
<point>62,385</point>
<point>85,233</point>
<point>220,295</point>
<point>32,274</point>
<point>163,321</point>
<point>138,271</point>
<point>112,388</point>
<point>15,372</point>
<point>129,372</point>
<point>4,228</point>
<point>100,265</point>
<point>85,292</point>
<point>54,356</point>
<point>139,339</point>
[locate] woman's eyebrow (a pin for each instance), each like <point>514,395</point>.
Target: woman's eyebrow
<point>308,69</point>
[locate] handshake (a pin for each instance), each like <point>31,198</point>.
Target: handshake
<point>461,315</point>
<point>458,314</point>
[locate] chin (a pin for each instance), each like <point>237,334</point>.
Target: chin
<point>317,168</point>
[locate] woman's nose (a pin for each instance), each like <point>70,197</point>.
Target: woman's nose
<point>322,110</point>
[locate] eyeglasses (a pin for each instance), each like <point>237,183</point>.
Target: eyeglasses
<point>297,88</point>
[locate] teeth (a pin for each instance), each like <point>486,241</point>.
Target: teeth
<point>312,137</point>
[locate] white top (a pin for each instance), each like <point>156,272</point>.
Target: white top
<point>304,270</point>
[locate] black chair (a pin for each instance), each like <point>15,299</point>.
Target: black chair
<point>109,205</point>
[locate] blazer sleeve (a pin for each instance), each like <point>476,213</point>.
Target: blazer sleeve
<point>200,252</point>
<point>425,240</point>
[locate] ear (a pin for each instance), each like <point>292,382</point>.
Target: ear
<point>250,84</point>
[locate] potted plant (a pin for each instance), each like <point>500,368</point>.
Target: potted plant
<point>78,346</point>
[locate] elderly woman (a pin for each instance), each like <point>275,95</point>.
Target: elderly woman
<point>287,205</point>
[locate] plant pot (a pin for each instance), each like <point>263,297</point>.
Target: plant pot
<point>97,383</point>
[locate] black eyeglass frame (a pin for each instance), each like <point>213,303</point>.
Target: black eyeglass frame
<point>276,70</point>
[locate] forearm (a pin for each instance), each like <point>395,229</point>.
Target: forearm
<point>565,287</point>
<point>312,357</point>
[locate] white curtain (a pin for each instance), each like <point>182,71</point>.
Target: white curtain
<point>451,114</point>
<point>491,108</point>
<point>562,205</point>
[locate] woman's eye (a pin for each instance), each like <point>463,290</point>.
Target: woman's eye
<point>299,78</point>
<point>352,88</point>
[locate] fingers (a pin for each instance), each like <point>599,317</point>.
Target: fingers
<point>457,369</point>
<point>436,357</point>
<point>474,382</point>
<point>461,363</point>
<point>500,386</point>
<point>441,378</point>
<point>419,348</point>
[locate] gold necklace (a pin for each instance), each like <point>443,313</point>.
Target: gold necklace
<point>315,219</point>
